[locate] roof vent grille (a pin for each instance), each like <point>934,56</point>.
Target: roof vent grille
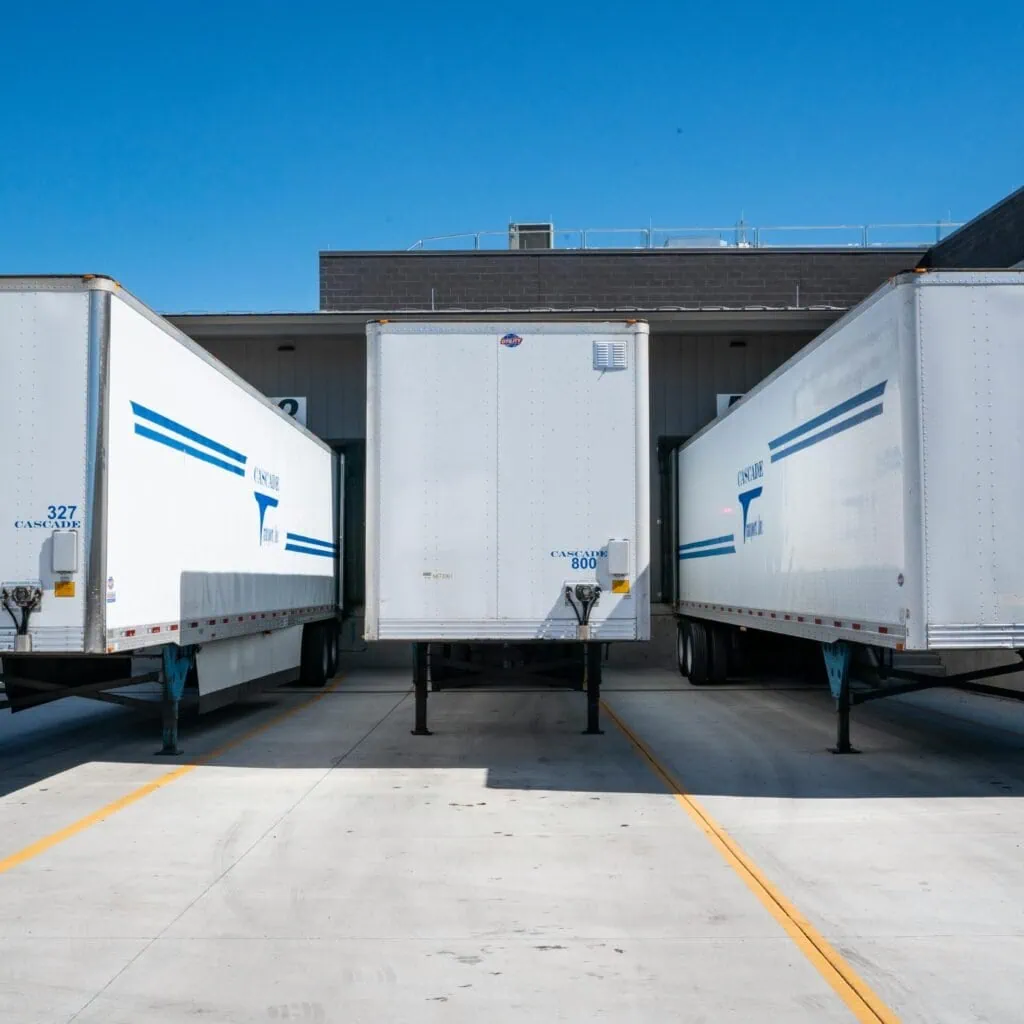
<point>531,236</point>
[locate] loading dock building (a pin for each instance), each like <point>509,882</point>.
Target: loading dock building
<point>721,319</point>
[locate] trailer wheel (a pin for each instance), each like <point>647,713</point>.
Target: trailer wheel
<point>696,652</point>
<point>681,662</point>
<point>315,663</point>
<point>333,638</point>
<point>718,644</point>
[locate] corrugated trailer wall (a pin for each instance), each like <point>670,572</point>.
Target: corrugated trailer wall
<point>687,372</point>
<point>329,371</point>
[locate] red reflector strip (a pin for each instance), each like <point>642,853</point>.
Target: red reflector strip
<point>193,625</point>
<point>773,615</point>
<point>787,617</point>
<point>836,623</point>
<point>856,625</point>
<point>817,622</point>
<point>212,622</point>
<point>129,632</point>
<point>173,628</point>
<point>154,629</point>
<point>799,618</point>
<point>883,629</point>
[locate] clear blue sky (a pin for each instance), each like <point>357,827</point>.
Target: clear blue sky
<point>203,153</point>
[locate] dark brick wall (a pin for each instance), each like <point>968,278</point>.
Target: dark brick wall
<point>993,239</point>
<point>647,280</point>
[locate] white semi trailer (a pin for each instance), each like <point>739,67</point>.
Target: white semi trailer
<point>159,519</point>
<point>507,496</point>
<point>868,492</point>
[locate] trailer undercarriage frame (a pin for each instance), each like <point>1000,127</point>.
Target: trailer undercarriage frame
<point>430,668</point>
<point>838,663</point>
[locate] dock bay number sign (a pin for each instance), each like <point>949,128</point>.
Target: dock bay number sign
<point>294,407</point>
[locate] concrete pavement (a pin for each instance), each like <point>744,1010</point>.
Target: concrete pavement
<point>329,866</point>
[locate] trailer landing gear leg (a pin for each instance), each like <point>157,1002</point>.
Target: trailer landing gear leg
<point>837,664</point>
<point>419,680</point>
<point>592,682</point>
<point>177,661</point>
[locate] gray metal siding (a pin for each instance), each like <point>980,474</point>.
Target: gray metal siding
<point>330,372</point>
<point>687,372</point>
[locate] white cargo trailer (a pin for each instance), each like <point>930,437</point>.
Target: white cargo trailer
<point>159,519</point>
<point>507,490</point>
<point>867,492</point>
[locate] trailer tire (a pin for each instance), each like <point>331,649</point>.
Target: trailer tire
<point>718,650</point>
<point>696,652</point>
<point>333,639</point>
<point>315,656</point>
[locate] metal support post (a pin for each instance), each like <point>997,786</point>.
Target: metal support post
<point>419,680</point>
<point>592,682</point>
<point>837,664</point>
<point>177,662</point>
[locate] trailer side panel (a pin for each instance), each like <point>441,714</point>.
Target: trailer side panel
<point>791,506</point>
<point>220,511</point>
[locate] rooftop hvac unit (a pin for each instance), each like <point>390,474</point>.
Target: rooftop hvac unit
<point>531,236</point>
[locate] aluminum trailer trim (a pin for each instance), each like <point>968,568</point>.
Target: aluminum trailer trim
<point>809,627</point>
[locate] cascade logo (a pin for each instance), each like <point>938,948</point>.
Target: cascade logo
<point>751,527</point>
<point>272,482</point>
<point>511,340</point>
<point>268,534</point>
<point>264,478</point>
<point>748,474</point>
<point>581,559</point>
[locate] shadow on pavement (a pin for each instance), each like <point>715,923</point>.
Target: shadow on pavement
<point>746,740</point>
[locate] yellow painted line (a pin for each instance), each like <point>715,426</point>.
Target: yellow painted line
<point>830,964</point>
<point>75,828</point>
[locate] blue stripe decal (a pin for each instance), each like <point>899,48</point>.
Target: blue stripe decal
<point>309,540</point>
<point>180,446</point>
<point>707,552</point>
<point>824,435</point>
<point>309,551</point>
<point>177,428</point>
<point>834,413</point>
<point>727,539</point>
